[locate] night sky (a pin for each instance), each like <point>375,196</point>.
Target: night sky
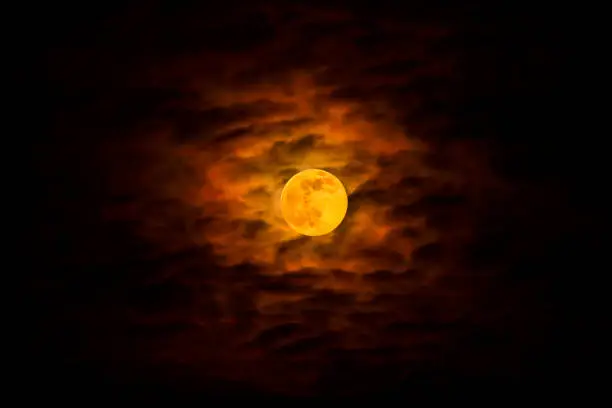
<point>158,262</point>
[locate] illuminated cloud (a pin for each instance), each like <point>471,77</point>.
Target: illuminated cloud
<point>218,282</point>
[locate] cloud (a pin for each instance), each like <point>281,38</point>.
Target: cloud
<point>193,147</point>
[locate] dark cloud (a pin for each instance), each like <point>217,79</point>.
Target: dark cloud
<point>222,123</point>
<point>428,253</point>
<point>164,256</point>
<point>291,152</point>
<point>276,334</point>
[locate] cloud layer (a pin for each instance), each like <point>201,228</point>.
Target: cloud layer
<point>186,123</point>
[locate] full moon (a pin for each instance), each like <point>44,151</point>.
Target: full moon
<point>314,202</point>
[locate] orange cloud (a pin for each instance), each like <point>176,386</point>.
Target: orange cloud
<point>180,124</point>
<point>210,168</point>
<point>243,180</point>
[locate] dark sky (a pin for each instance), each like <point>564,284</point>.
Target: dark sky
<point>157,256</point>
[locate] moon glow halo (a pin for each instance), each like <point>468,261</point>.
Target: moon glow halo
<point>314,202</point>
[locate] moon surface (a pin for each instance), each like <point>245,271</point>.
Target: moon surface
<point>314,202</point>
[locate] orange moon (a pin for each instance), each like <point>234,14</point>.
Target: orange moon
<point>314,202</point>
